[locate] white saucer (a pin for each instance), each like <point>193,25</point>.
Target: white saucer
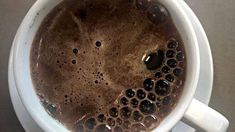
<point>203,93</point>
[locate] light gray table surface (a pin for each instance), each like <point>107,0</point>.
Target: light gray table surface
<point>217,17</point>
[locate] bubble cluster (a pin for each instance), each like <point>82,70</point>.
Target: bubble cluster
<point>126,116</point>
<point>138,108</point>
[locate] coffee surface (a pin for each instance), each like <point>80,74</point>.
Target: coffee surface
<point>108,65</point>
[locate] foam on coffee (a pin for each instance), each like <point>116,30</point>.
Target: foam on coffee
<point>108,65</point>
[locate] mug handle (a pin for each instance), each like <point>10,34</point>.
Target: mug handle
<point>204,118</point>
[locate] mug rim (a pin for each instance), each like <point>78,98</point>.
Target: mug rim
<point>179,109</point>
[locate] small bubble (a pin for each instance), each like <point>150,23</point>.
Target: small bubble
<point>98,44</point>
<point>103,128</point>
<point>148,84</point>
<point>158,104</point>
<point>119,121</point>
<point>58,61</point>
<point>172,63</point>
<point>150,121</point>
<point>181,64</point>
<point>172,44</point>
<point>96,81</point>
<point>157,13</point>
<point>141,94</point>
<point>75,51</point>
<point>101,118</point>
<point>158,74</point>
<point>111,122</point>
<point>166,100</point>
<point>124,101</point>
<point>134,102</point>
<point>180,56</point>
<point>74,61</point>
<point>137,116</point>
<point>177,72</point>
<point>90,123</point>
<point>130,93</point>
<point>169,78</point>
<point>125,112</point>
<point>162,88</point>
<point>51,108</point>
<point>170,53</point>
<point>147,107</point>
<point>154,60</point>
<point>166,69</point>
<point>151,97</point>
<point>113,112</point>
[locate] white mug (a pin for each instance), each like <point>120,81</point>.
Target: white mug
<point>198,114</point>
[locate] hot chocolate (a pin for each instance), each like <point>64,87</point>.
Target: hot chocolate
<point>108,65</point>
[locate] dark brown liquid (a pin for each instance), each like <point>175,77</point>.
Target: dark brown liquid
<point>107,65</point>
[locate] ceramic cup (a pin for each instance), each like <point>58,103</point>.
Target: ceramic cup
<point>195,112</point>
